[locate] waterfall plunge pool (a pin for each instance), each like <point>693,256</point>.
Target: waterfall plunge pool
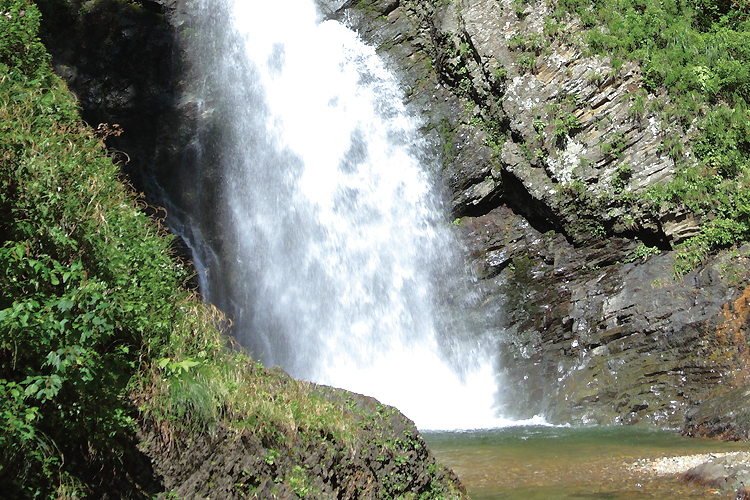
<point>556,463</point>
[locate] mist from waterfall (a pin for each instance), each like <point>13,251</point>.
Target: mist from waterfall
<point>318,227</point>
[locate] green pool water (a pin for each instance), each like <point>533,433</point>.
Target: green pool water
<point>550,463</point>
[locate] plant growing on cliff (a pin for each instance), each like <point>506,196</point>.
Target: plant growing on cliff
<point>89,291</point>
<point>622,175</point>
<point>533,42</point>
<point>614,145</point>
<point>500,74</point>
<point>527,62</point>
<point>20,47</point>
<point>699,53</point>
<point>566,125</point>
<point>519,7</point>
<point>637,108</point>
<point>643,252</point>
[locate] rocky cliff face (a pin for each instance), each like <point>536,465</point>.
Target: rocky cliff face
<point>548,156</point>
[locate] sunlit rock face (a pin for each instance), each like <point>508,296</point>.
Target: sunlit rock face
<point>538,159</point>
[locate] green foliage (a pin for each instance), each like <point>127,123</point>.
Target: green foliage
<point>638,106</point>
<point>20,47</point>
<point>614,145</point>
<point>566,125</point>
<point>724,145</point>
<point>500,74</point>
<point>527,62</point>
<point>176,369</point>
<point>538,126</point>
<point>551,27</point>
<point>519,7</point>
<point>88,289</point>
<point>643,252</point>
<point>621,178</point>
<point>700,53</point>
<point>299,482</point>
<point>533,42</point>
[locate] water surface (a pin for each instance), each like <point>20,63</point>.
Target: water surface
<point>550,463</point>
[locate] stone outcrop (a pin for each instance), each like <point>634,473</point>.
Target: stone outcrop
<point>597,335</point>
<point>725,416</point>
<point>725,473</point>
<point>547,153</point>
<point>385,458</point>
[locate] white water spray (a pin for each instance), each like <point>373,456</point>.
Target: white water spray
<point>332,244</point>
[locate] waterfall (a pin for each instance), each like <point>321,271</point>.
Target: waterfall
<point>314,219</point>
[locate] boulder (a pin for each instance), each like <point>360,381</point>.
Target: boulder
<point>725,473</point>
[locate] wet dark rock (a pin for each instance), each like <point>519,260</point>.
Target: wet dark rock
<point>116,58</point>
<point>591,335</point>
<point>725,416</point>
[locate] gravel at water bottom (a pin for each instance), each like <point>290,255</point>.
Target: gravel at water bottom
<point>548,463</point>
<point>668,466</point>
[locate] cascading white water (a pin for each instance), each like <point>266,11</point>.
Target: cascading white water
<point>331,244</point>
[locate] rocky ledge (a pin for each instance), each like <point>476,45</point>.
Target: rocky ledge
<point>383,457</point>
<point>728,471</point>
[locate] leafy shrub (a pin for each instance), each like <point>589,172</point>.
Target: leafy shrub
<point>699,52</point>
<point>724,144</point>
<point>88,289</point>
<point>20,47</point>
